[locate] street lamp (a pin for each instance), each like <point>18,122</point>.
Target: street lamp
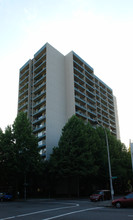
<point>109,164</point>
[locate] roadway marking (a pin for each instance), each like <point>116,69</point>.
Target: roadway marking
<point>70,213</point>
<point>47,210</point>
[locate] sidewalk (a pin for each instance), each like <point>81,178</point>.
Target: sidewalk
<point>106,203</point>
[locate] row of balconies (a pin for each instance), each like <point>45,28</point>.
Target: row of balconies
<point>89,96</point>
<point>105,89</point>
<point>23,73</point>
<point>83,88</point>
<point>39,95</point>
<point>39,80</point>
<point>107,120</point>
<point>24,80</point>
<point>85,112</point>
<point>85,117</point>
<point>23,92</point>
<point>83,77</point>
<point>38,68</point>
<point>23,99</point>
<point>38,88</point>
<point>39,110</point>
<point>39,103</point>
<point>102,106</point>
<point>83,67</point>
<point>39,119</point>
<point>39,59</point>
<point>42,144</point>
<point>43,151</point>
<point>23,86</point>
<point>43,71</point>
<point>38,128</point>
<point>23,106</point>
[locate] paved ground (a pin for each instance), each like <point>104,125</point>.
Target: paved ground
<point>43,209</point>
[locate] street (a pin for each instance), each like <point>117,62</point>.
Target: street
<point>61,210</point>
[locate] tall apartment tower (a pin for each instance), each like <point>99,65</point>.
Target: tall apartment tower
<point>53,87</point>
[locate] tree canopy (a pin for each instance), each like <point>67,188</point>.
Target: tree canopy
<point>82,154</point>
<point>19,153</point>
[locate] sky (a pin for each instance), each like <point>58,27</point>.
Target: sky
<point>99,31</point>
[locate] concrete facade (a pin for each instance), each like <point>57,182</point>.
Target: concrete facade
<point>53,87</point>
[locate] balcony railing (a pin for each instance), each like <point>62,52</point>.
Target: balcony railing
<point>39,95</point>
<point>38,119</point>
<point>39,111</point>
<point>39,103</point>
<point>24,105</point>
<point>37,74</point>
<point>39,128</point>
<point>39,65</point>
<point>40,86</point>
<point>39,80</point>
<point>39,58</point>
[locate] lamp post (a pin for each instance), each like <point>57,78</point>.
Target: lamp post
<point>109,164</point>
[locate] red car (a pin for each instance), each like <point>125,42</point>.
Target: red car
<point>100,195</point>
<point>126,201</point>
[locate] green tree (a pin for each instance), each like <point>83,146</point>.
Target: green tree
<point>26,148</point>
<point>72,159</point>
<point>119,158</point>
<point>120,163</point>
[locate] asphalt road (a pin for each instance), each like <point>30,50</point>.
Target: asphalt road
<point>62,210</point>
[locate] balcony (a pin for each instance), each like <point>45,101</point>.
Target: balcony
<point>39,119</point>
<point>43,135</point>
<point>39,95</point>
<point>21,100</point>
<point>92,120</point>
<point>39,87</point>
<point>39,103</point>
<point>78,66</point>
<point>91,112</point>
<point>22,74</point>
<point>79,85</point>
<point>89,81</point>
<point>23,106</point>
<point>39,80</point>
<point>90,92</point>
<point>42,71</point>
<point>38,67</point>
<point>43,151</point>
<point>79,113</point>
<point>89,75</point>
<point>79,91</point>
<point>23,80</point>
<point>91,105</point>
<point>23,92</point>
<point>41,143</point>
<point>39,128</point>
<point>80,99</point>
<point>78,73</point>
<point>26,84</point>
<point>80,106</point>
<point>39,59</point>
<point>38,111</point>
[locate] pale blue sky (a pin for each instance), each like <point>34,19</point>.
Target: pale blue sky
<point>100,31</point>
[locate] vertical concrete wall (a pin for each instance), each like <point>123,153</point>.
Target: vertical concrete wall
<point>55,97</point>
<point>69,78</point>
<point>116,118</point>
<point>131,146</point>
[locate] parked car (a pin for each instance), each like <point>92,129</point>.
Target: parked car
<point>126,201</point>
<point>5,196</point>
<point>100,195</point>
